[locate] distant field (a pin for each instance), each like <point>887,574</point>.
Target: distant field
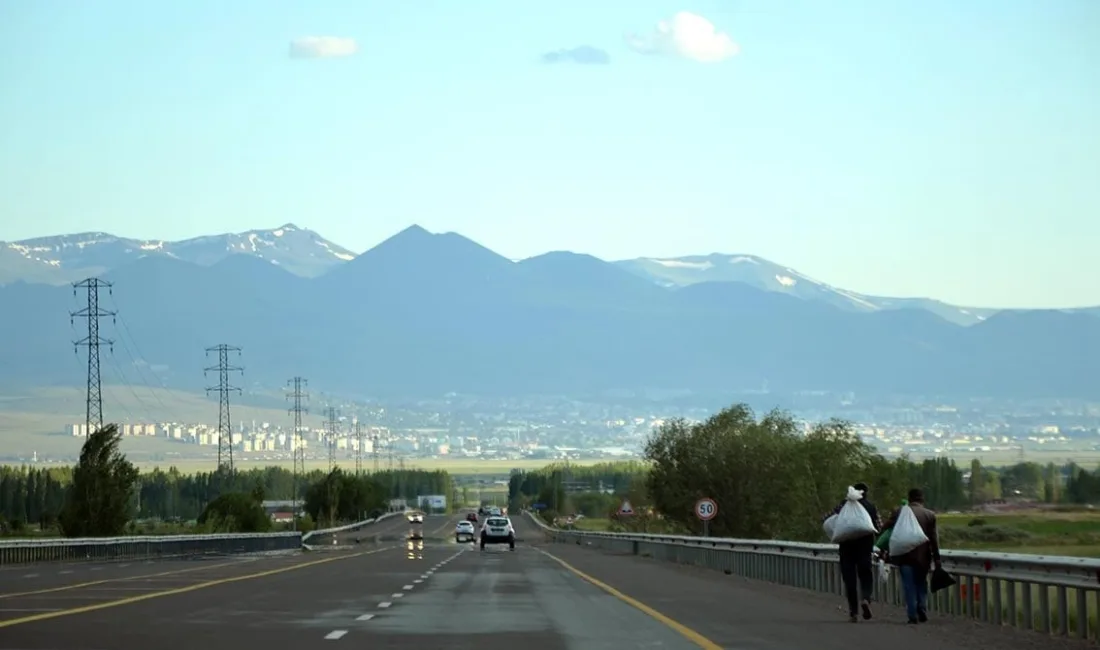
<point>460,467</point>
<point>1075,534</point>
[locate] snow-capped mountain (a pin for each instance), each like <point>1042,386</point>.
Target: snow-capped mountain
<point>65,258</point>
<point>769,276</point>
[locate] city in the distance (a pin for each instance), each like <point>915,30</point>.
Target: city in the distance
<point>431,350</point>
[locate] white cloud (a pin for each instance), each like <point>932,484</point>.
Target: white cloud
<point>686,35</point>
<point>322,47</point>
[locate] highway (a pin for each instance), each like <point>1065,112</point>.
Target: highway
<point>434,593</point>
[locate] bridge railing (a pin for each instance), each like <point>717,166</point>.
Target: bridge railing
<point>151,547</point>
<point>1054,595</point>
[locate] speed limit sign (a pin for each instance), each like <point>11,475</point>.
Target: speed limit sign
<point>706,509</point>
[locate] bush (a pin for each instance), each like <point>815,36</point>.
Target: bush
<point>982,535</point>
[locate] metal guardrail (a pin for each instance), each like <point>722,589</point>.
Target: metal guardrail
<point>151,547</point>
<point>105,549</point>
<point>345,529</point>
<point>1053,595</point>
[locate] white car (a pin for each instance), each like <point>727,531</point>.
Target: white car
<point>416,517</point>
<point>498,530</point>
<point>464,531</point>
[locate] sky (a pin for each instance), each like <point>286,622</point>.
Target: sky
<point>941,148</point>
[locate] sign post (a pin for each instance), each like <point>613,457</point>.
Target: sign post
<point>706,509</point>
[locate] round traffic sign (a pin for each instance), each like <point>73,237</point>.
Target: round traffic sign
<point>706,509</point>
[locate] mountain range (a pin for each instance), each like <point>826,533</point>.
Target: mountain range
<point>424,314</point>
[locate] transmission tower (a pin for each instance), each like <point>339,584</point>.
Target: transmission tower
<point>298,451</point>
<point>358,448</point>
<point>374,449</point>
<point>331,438</point>
<point>93,411</point>
<point>225,427</point>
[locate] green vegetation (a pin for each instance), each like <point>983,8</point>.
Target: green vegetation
<point>773,480</point>
<point>104,495</point>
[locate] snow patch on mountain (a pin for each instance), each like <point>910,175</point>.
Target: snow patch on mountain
<point>67,257</point>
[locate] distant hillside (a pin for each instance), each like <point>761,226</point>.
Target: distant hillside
<point>425,314</point>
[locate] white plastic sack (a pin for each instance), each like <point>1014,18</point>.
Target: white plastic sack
<point>829,525</point>
<point>907,534</point>
<point>853,520</point>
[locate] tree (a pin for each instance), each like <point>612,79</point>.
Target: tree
<point>237,512</point>
<point>771,478</point>
<point>99,501</point>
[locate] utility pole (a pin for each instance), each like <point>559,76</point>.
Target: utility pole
<point>225,428</point>
<point>374,449</point>
<point>297,450</point>
<point>358,448</point>
<point>93,409</point>
<point>331,438</point>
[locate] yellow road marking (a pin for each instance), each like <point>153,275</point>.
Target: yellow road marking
<point>92,583</point>
<point>179,590</point>
<point>685,631</point>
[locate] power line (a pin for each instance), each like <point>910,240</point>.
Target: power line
<point>93,410</point>
<point>358,448</point>
<point>331,438</point>
<point>225,428</point>
<point>298,452</point>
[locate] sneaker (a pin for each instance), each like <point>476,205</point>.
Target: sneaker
<point>912,621</point>
<point>866,610</point>
<point>853,619</point>
<point>922,616</point>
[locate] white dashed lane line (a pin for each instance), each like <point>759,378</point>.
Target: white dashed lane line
<point>338,634</point>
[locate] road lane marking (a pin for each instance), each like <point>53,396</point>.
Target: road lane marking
<point>384,605</point>
<point>183,590</point>
<point>685,631</point>
<point>364,617</point>
<point>417,581</point>
<point>335,634</point>
<point>407,587</point>
<point>92,583</point>
<point>397,595</point>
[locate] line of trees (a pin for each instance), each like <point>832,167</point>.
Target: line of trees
<point>104,494</point>
<point>774,480</point>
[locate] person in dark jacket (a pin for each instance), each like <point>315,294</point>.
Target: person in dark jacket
<point>915,565</point>
<point>856,561</point>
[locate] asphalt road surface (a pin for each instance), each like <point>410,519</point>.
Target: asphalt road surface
<point>438,594</point>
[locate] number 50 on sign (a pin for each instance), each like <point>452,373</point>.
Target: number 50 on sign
<point>706,509</point>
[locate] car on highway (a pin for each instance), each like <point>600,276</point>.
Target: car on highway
<point>415,517</point>
<point>498,530</point>
<point>471,517</point>
<point>464,532</point>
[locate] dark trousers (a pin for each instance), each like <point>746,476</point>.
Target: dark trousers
<point>857,570</point>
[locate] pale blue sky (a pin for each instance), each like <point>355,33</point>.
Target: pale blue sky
<point>940,148</point>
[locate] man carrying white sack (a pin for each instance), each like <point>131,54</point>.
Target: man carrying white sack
<point>856,546</point>
<point>914,548</point>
